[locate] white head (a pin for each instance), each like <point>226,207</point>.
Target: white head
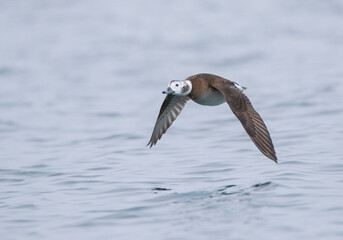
<point>179,88</point>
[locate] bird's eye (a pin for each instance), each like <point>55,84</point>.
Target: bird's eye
<point>177,85</point>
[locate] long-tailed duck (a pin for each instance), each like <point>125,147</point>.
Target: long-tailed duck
<point>212,90</point>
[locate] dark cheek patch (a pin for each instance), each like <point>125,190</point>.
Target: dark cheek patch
<point>185,88</point>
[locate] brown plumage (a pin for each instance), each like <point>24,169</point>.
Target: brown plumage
<point>208,89</point>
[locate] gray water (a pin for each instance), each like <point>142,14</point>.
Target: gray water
<point>80,91</point>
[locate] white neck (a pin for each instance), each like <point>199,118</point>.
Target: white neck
<point>189,84</point>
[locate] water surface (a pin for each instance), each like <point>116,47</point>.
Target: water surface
<point>80,91</point>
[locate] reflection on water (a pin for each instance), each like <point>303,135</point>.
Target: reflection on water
<point>80,92</point>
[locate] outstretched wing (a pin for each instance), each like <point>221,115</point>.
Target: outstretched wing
<point>250,119</point>
<point>170,109</point>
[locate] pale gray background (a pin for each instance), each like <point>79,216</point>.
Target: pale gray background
<point>80,90</point>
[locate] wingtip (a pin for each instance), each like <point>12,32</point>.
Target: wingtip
<point>271,156</point>
<point>274,158</point>
<point>150,144</point>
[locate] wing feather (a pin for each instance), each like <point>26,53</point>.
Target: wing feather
<point>250,119</point>
<point>170,110</point>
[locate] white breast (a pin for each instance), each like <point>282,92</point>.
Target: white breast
<point>210,98</point>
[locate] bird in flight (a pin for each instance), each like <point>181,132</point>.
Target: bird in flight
<point>212,90</point>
